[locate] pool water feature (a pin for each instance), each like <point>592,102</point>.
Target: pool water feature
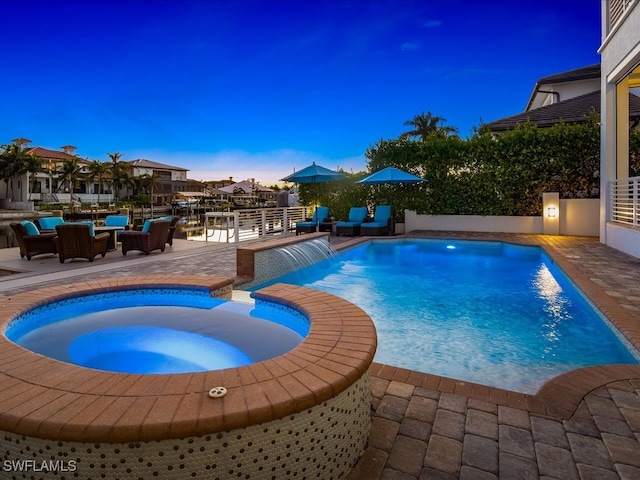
<point>158,331</point>
<point>493,313</point>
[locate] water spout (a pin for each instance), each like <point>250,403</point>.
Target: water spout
<point>303,254</point>
<point>275,262</point>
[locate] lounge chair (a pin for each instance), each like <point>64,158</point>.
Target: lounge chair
<point>153,236</point>
<point>382,223</point>
<point>311,225</point>
<point>48,224</point>
<point>31,241</point>
<point>77,240</point>
<point>351,227</point>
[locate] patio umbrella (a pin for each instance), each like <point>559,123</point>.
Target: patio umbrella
<point>391,175</point>
<point>314,174</point>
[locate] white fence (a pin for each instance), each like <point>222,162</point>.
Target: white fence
<point>249,224</point>
<point>625,201</point>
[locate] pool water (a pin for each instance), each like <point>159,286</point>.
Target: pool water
<point>158,331</point>
<point>492,313</point>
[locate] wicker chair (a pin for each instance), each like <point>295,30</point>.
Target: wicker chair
<point>154,239</point>
<point>76,241</point>
<point>32,245</point>
<point>172,229</point>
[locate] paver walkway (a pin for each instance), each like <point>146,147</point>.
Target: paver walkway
<point>427,427</point>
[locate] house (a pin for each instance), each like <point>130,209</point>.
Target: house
<point>20,191</point>
<point>167,179</point>
<point>25,189</point>
<point>568,97</point>
<point>620,75</point>
<point>563,86</point>
<point>45,184</point>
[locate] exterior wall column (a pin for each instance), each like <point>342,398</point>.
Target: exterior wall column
<point>551,213</point>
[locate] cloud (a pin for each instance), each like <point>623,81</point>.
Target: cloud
<point>266,167</point>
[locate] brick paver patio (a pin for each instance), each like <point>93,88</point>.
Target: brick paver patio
<point>585,426</point>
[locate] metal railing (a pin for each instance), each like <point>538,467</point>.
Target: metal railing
<point>250,224</point>
<point>625,201</point>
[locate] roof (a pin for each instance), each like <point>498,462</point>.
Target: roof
<point>573,110</point>
<point>144,163</point>
<point>583,73</point>
<point>51,154</point>
<point>246,187</point>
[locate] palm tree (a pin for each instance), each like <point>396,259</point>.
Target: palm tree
<point>31,165</point>
<point>150,182</point>
<point>123,179</point>
<point>116,167</point>
<point>12,161</point>
<point>98,169</point>
<point>426,125</point>
<point>69,174</point>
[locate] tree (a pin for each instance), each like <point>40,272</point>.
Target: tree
<point>123,179</point>
<point>69,174</point>
<point>98,169</point>
<point>31,164</point>
<point>427,125</point>
<point>12,161</point>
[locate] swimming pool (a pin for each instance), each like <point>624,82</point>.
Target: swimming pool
<point>493,313</point>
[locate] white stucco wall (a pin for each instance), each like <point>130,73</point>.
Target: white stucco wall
<point>620,53</point>
<point>576,217</point>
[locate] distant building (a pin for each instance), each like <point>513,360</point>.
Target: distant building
<point>568,97</point>
<point>27,189</point>
<point>167,178</point>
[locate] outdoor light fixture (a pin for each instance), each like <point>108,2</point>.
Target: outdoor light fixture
<point>551,212</point>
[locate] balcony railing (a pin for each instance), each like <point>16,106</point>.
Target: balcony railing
<point>625,201</point>
<point>250,224</point>
<point>617,8</point>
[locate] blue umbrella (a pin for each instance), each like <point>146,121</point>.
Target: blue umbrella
<point>313,174</point>
<point>391,175</point>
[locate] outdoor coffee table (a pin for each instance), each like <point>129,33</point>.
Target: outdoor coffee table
<point>113,239</point>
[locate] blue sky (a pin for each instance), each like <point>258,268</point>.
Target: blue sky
<point>256,89</point>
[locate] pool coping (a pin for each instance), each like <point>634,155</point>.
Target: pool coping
<point>46,398</point>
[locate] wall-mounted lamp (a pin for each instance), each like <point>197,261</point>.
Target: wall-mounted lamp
<point>551,212</point>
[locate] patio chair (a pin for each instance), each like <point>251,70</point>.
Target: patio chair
<point>117,221</point>
<point>311,225</point>
<point>31,241</point>
<point>382,223</point>
<point>153,236</point>
<point>48,224</point>
<point>77,240</point>
<point>351,227</point>
<point>172,229</point>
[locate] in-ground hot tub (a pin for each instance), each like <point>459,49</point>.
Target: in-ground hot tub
<point>304,413</point>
